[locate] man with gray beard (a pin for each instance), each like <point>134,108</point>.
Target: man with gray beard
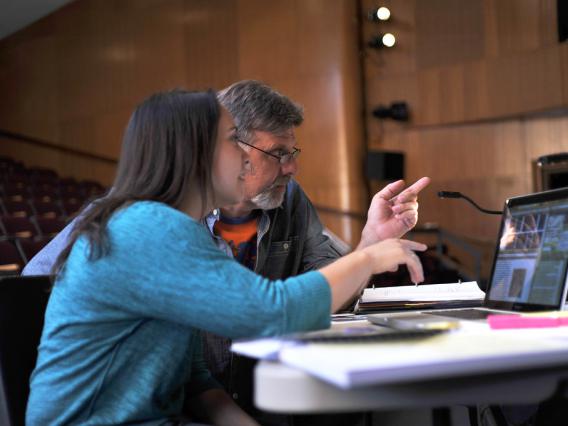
<point>276,230</point>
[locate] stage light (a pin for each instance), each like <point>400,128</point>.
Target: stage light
<point>383,13</point>
<point>383,40</point>
<point>389,40</point>
<point>380,14</point>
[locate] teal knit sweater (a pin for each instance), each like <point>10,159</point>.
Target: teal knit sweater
<point>120,342</point>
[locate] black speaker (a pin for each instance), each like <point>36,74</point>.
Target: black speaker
<point>550,172</point>
<point>562,9</point>
<point>384,165</point>
<point>397,111</point>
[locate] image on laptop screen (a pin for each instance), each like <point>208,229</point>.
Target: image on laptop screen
<point>531,260</point>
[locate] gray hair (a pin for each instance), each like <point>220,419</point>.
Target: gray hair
<point>256,106</point>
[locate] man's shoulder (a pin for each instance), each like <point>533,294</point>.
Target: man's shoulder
<point>295,194</point>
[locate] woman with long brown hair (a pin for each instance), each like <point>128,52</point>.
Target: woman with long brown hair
<point>141,276</point>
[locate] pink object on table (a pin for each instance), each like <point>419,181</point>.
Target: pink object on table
<point>524,321</point>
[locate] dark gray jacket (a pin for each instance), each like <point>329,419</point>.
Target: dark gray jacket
<point>290,240</point>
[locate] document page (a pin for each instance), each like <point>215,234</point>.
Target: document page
<point>349,365</point>
<point>424,293</point>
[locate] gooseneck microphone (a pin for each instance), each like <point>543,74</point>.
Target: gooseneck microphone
<point>452,194</point>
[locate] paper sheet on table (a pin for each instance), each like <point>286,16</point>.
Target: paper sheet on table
<point>424,293</point>
<point>445,355</point>
<point>268,348</point>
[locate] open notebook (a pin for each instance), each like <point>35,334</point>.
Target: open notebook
<point>431,296</point>
<point>529,267</point>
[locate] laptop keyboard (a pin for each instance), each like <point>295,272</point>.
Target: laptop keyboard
<point>469,314</point>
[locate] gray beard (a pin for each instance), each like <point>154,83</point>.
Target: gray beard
<point>268,199</point>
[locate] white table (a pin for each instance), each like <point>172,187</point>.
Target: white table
<point>280,388</point>
<point>525,380</point>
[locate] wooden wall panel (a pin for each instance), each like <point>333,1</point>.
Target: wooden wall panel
<point>466,53</point>
<point>514,26</point>
<point>449,32</point>
<point>524,83</point>
<point>67,164</point>
<point>211,50</point>
<point>463,92</point>
<point>315,63</point>
<point>74,77</point>
<point>482,110</point>
<point>29,100</point>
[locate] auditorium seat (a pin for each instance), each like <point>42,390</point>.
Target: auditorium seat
<point>49,227</point>
<point>15,191</point>
<point>71,206</point>
<point>35,205</point>
<point>46,191</point>
<point>5,164</point>
<point>69,188</point>
<point>45,207</point>
<point>9,166</point>
<point>43,175</point>
<point>17,208</point>
<point>77,194</point>
<point>28,247</point>
<point>11,262</point>
<point>91,189</point>
<point>18,227</point>
<point>18,178</point>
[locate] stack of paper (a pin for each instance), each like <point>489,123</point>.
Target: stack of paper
<point>421,297</point>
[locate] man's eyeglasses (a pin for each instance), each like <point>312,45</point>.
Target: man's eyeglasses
<point>282,158</point>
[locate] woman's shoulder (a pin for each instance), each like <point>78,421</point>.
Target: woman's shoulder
<point>153,215</point>
<point>153,209</point>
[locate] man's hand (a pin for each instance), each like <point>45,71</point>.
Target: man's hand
<point>393,212</point>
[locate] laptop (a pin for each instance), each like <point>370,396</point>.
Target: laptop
<point>529,266</point>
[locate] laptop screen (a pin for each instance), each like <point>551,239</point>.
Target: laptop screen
<point>529,270</point>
